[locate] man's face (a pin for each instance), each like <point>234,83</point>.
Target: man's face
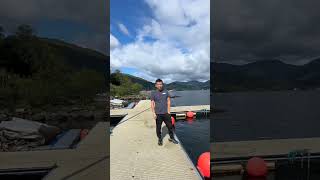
<point>159,85</point>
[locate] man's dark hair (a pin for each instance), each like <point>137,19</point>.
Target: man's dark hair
<point>158,80</point>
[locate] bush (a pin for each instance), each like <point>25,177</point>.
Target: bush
<point>85,84</point>
<point>121,85</point>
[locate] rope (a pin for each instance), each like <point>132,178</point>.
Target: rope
<point>130,118</point>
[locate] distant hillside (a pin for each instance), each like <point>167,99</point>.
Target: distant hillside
<point>147,85</point>
<point>265,75</point>
<point>179,86</point>
<point>22,56</point>
<point>40,72</point>
<point>190,85</point>
<point>77,56</point>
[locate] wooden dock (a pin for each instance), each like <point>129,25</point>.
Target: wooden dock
<point>135,153</point>
<point>90,160</point>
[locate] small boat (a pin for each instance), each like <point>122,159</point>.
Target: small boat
<point>117,103</point>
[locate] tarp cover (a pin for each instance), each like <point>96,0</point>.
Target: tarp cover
<point>21,134</point>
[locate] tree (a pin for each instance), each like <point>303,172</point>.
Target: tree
<point>25,31</point>
<point>85,84</point>
<point>115,78</point>
<point>136,88</point>
<point>121,85</point>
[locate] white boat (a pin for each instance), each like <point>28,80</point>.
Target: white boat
<point>116,101</point>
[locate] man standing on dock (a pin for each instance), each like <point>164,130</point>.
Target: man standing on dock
<point>160,106</point>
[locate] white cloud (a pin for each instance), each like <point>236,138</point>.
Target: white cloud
<point>180,45</point>
<point>124,29</point>
<point>113,42</point>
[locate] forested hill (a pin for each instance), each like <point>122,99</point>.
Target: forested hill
<point>21,55</point>
<point>179,86</point>
<point>36,71</point>
<point>265,75</point>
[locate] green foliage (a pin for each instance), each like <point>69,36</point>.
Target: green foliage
<point>9,92</point>
<point>121,85</point>
<point>25,57</point>
<point>42,89</point>
<point>116,78</point>
<point>85,84</point>
<point>36,73</point>
<point>146,85</point>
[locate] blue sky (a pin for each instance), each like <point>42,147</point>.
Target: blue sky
<point>166,39</point>
<point>132,14</point>
<point>128,12</point>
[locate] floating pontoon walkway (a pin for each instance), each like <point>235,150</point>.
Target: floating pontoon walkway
<point>274,147</point>
<point>178,109</point>
<point>224,152</point>
<point>90,160</point>
<point>135,153</point>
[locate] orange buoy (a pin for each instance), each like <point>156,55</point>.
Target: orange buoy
<point>83,133</point>
<point>190,120</point>
<point>190,114</point>
<point>172,120</point>
<point>257,167</point>
<point>204,164</point>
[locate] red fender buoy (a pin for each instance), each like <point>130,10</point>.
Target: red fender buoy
<point>204,164</point>
<point>190,114</point>
<point>83,133</point>
<point>257,167</point>
<point>190,120</point>
<point>172,120</point>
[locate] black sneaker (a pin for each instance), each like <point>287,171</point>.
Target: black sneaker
<point>160,142</point>
<point>173,141</point>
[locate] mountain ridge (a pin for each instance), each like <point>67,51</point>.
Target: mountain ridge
<point>265,75</point>
<point>176,85</point>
